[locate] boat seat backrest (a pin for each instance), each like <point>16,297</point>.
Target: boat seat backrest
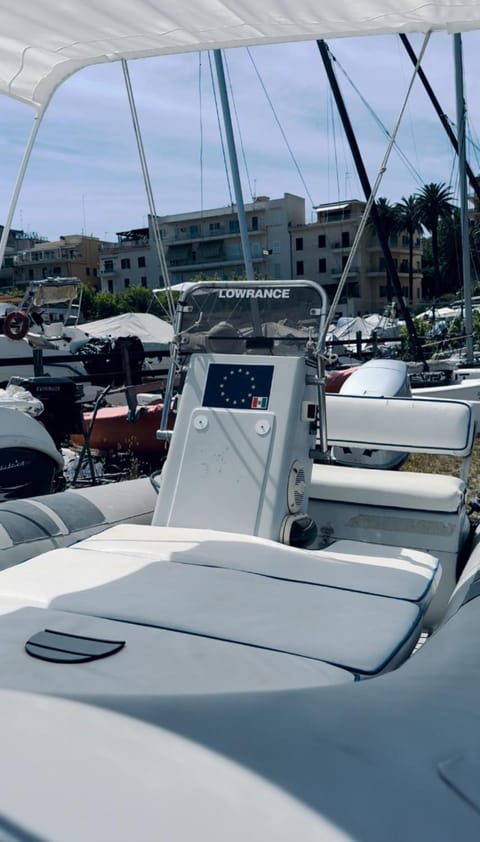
<point>411,425</point>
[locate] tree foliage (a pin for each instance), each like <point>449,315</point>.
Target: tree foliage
<point>434,203</point>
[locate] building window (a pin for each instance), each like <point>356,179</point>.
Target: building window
<point>125,263</point>
<point>87,271</point>
<point>143,280</point>
<point>322,265</point>
<point>194,230</point>
<point>233,226</point>
<point>141,262</point>
<point>299,269</point>
<point>110,285</point>
<point>322,241</point>
<point>57,271</point>
<point>94,271</point>
<point>109,266</point>
<point>299,243</point>
<point>254,223</point>
<point>276,247</point>
<point>344,261</point>
<point>126,283</point>
<point>345,239</point>
<point>214,226</point>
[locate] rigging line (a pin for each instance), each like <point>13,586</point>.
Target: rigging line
<point>220,130</point>
<point>237,121</point>
<point>473,138</point>
<point>148,188</point>
<point>200,106</point>
<point>334,137</point>
<point>379,123</point>
<point>372,193</point>
<point>280,127</point>
<point>469,137</point>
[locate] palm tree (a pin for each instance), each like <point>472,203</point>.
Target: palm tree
<point>408,220</point>
<point>387,218</point>
<point>434,203</point>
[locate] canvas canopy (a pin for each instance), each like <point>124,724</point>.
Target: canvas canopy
<point>44,42</point>
<point>154,333</point>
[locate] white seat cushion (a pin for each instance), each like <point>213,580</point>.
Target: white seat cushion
<point>352,565</point>
<point>395,489</point>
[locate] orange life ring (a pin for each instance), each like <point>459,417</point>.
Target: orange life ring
<point>16,324</point>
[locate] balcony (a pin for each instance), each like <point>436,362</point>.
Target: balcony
<point>222,231</point>
<point>127,245</point>
<point>338,272</point>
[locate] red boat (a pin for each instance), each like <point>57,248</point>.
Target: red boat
<point>112,431</point>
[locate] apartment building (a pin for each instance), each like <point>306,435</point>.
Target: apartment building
<point>205,244</point>
<point>320,251</point>
<point>17,241</point>
<point>131,261</point>
<point>73,255</point>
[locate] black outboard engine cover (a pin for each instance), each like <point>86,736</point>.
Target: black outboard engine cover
<point>25,472</point>
<point>60,396</point>
<point>29,458</point>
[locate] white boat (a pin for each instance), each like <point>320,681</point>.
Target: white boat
<point>241,668</point>
<point>262,606</point>
<point>37,335</point>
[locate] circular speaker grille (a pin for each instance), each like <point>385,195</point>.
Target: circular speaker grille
<point>296,487</point>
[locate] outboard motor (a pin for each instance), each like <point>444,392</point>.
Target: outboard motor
<point>61,397</point>
<point>29,459</point>
<point>375,378</point>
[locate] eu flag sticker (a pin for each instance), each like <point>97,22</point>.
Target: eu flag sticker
<point>238,386</point>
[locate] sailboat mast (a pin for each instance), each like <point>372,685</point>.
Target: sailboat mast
<point>462,172</point>
<point>232,154</point>
<point>366,187</point>
<point>440,111</point>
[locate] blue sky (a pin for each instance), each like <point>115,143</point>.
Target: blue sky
<point>85,176</point>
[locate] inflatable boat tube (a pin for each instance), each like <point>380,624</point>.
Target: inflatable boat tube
<point>33,526</point>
